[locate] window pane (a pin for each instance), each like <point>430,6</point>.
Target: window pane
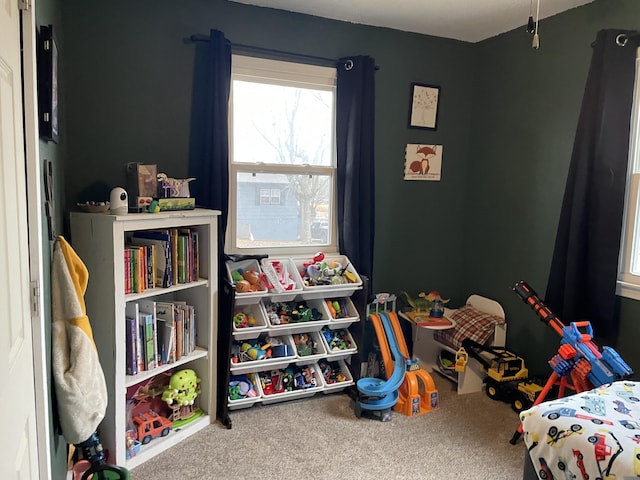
<point>298,212</point>
<point>277,124</point>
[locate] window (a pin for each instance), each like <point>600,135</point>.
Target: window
<point>282,161</point>
<point>269,196</point>
<point>629,265</point>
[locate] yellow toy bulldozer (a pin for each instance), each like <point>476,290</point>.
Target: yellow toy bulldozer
<point>507,376</point>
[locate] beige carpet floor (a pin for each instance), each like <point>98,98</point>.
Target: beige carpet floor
<point>321,438</point>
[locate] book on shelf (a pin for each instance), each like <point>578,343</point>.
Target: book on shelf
<point>132,311</point>
<point>187,314</point>
<point>162,253</point>
<point>131,334</point>
<point>166,331</point>
<point>148,307</point>
<point>146,321</point>
<point>195,255</point>
<point>127,271</point>
<point>174,254</point>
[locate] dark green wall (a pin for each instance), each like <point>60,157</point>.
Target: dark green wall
<point>525,117</point>
<point>507,119</point>
<point>48,12</point>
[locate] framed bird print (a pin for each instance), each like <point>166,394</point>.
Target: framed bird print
<point>423,109</point>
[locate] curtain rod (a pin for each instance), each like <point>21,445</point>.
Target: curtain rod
<point>236,47</point>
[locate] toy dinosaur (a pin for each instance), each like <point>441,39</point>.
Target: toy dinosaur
<point>424,302</point>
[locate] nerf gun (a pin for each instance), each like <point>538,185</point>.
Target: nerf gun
<point>578,357</point>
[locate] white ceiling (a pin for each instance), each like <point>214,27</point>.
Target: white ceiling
<point>467,20</point>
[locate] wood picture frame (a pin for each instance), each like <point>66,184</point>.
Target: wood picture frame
<point>47,84</point>
<point>423,106</point>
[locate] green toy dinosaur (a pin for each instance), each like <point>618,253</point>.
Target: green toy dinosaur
<point>424,302</point>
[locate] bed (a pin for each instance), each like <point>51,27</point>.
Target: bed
<point>481,319</point>
<point>590,435</point>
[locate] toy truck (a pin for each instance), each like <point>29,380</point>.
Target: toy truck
<point>151,425</point>
<point>507,377</point>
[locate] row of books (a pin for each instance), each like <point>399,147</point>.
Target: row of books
<point>160,258</point>
<point>158,333</point>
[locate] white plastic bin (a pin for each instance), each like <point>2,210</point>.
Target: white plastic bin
<point>335,350</point>
<point>311,337</point>
<point>302,326</point>
<point>245,298</point>
<point>336,384</point>
<point>247,401</point>
<point>283,275</point>
<point>345,319</point>
<point>331,262</point>
<point>238,367</point>
<point>250,330</point>
<point>271,376</point>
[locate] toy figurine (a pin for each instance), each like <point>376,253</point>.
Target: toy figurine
<point>183,388</point>
<point>175,187</point>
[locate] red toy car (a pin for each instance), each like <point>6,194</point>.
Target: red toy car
<point>151,425</point>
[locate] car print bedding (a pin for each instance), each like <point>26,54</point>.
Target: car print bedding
<point>590,435</point>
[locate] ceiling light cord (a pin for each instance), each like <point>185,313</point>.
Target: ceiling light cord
<point>530,26</point>
<point>535,44</point>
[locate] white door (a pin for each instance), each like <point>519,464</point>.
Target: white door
<point>18,446</point>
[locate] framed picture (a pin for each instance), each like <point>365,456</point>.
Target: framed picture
<point>47,84</point>
<point>423,109</point>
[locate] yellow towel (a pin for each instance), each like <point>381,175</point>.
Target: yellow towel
<point>79,381</point>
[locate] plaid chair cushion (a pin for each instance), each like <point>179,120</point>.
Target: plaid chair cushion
<point>470,323</point>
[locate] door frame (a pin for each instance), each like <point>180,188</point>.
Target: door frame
<point>36,235</point>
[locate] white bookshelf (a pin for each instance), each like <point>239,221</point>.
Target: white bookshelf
<point>99,240</point>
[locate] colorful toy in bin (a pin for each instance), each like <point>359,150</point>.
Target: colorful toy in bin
<point>318,272</point>
<point>290,379</point>
<point>337,340</point>
<point>305,344</point>
<point>247,280</point>
<point>240,386</point>
<point>338,308</point>
<point>331,372</point>
<point>243,320</point>
<point>282,313</point>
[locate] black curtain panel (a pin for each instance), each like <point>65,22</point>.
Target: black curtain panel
<point>209,157</point>
<point>584,268</point>
<point>355,160</point>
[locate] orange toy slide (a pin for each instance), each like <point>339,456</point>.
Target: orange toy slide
<point>418,393</point>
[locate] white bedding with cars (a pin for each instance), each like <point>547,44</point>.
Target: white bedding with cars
<point>590,435</point>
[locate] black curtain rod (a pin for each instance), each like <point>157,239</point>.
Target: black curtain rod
<point>269,52</point>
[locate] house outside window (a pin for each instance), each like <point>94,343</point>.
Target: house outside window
<point>282,160</point>
<point>629,264</point>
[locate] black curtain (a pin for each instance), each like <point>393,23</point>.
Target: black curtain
<point>209,159</point>
<point>355,160</point>
<point>584,268</point>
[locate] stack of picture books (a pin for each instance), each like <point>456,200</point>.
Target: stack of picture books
<point>158,333</point>
<point>160,258</point>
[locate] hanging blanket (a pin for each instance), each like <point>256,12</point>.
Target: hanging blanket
<point>79,381</point>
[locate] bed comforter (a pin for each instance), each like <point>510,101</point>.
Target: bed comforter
<point>589,435</point>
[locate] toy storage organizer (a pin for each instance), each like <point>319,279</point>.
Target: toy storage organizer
<point>317,353</point>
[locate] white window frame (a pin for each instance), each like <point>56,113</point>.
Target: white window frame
<point>628,282</point>
<point>291,74</point>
